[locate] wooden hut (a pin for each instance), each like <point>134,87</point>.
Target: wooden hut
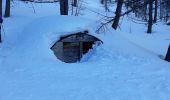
<point>71,48</point>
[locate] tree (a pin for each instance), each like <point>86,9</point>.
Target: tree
<point>146,10</point>
<point>64,7</point>
<point>150,21</point>
<point>1,8</point>
<point>0,16</point>
<point>106,4</point>
<point>7,8</point>
<point>75,3</point>
<point>166,8</point>
<point>160,9</point>
<point>102,1</point>
<point>155,11</point>
<point>117,14</point>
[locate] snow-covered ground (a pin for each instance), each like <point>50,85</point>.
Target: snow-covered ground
<point>128,66</point>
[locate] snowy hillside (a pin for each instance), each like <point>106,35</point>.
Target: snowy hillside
<point>128,65</point>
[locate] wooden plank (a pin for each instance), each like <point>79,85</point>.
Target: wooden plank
<point>71,52</point>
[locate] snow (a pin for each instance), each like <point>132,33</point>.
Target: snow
<point>127,66</point>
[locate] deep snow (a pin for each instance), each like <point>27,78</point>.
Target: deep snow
<point>128,66</point>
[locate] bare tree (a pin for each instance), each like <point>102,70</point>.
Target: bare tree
<point>145,10</point>
<point>1,8</point>
<point>160,9</point>
<point>64,7</point>
<point>75,3</point>
<point>7,8</point>
<point>106,4</point>
<point>155,11</point>
<point>150,21</point>
<point>118,14</point>
<point>0,16</point>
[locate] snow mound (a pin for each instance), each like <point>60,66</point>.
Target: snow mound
<point>117,70</point>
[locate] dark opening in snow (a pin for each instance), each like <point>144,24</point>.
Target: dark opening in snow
<point>168,23</point>
<point>71,48</point>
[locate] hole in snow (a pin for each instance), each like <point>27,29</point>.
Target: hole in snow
<point>167,58</point>
<point>72,47</point>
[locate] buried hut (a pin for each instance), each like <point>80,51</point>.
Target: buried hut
<point>70,48</point>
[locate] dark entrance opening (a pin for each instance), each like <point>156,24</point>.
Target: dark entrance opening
<point>87,46</point>
<point>71,48</point>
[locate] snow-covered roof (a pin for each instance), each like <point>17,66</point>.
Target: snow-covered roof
<point>54,27</point>
<point>126,66</point>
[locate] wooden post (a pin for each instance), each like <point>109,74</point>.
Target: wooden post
<point>168,55</point>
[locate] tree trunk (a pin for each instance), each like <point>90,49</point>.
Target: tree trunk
<point>64,7</point>
<point>1,8</point>
<point>7,8</point>
<point>150,21</point>
<point>156,11</point>
<point>118,14</point>
<point>102,1</point>
<point>160,9</point>
<point>0,16</point>
<point>105,5</point>
<point>145,10</point>
<point>75,3</point>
